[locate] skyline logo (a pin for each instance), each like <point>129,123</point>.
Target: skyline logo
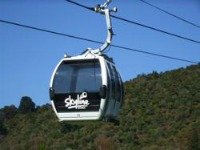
<point>79,103</point>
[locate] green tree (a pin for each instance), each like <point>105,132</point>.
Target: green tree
<point>3,130</point>
<point>9,111</point>
<point>26,105</point>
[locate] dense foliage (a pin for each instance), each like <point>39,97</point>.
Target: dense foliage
<point>160,111</point>
<point>26,105</point>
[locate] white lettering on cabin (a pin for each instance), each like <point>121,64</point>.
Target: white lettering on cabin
<point>78,103</point>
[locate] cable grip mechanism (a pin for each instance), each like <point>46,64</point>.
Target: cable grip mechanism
<point>104,10</point>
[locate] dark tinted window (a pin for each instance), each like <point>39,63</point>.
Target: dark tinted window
<point>78,76</point>
<point>112,77</point>
<point>118,88</point>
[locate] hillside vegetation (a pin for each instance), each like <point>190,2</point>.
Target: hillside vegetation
<point>160,111</point>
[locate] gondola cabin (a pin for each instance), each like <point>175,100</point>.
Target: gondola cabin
<point>86,87</point>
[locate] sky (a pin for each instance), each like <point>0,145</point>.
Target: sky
<point>28,57</point>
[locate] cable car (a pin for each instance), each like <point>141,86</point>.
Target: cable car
<point>87,86</point>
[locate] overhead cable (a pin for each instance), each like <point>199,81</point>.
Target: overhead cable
<point>139,24</point>
<point>175,16</point>
<point>154,54</point>
<point>94,41</point>
<point>49,31</point>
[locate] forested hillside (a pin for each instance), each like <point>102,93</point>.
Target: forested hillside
<point>160,111</point>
